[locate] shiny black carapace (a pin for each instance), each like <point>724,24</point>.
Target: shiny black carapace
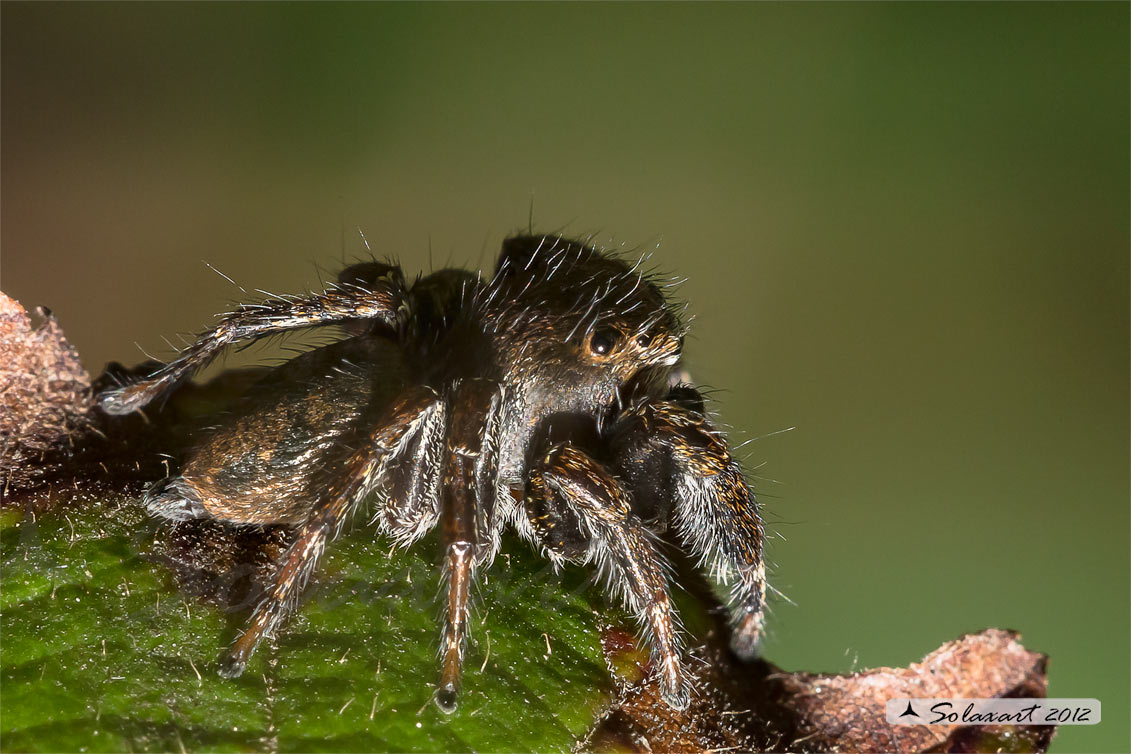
<point>546,398</point>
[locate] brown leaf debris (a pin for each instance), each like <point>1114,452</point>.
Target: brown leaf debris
<point>45,395</point>
<point>758,707</point>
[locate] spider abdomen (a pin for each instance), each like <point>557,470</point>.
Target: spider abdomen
<point>257,465</point>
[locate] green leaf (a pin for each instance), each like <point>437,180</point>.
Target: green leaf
<point>103,652</point>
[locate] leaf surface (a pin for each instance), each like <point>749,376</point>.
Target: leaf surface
<point>105,651</point>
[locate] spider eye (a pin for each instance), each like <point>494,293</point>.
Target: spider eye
<point>604,340</point>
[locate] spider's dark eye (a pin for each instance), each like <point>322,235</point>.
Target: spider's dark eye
<point>604,340</point>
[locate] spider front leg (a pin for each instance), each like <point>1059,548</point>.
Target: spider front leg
<point>378,303</point>
<point>677,465</point>
<point>408,433</point>
<point>580,512</point>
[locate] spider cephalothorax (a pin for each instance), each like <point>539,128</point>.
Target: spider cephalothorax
<point>542,398</point>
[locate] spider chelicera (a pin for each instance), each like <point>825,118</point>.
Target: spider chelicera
<point>545,398</point>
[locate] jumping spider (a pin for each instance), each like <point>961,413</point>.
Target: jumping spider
<point>546,398</point>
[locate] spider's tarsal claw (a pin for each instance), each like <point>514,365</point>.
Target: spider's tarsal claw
<point>447,698</point>
<point>232,665</point>
<point>233,662</point>
<point>746,641</point>
<point>673,685</point>
<point>677,697</point>
<point>175,499</point>
<point>123,400</point>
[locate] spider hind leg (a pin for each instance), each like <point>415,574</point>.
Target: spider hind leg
<point>174,499</point>
<point>380,304</point>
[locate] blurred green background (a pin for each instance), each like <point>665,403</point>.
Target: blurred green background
<point>905,229</point>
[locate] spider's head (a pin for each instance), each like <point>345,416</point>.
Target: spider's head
<point>577,325</point>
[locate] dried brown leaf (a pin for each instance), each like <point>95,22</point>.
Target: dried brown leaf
<point>45,395</point>
<point>758,707</point>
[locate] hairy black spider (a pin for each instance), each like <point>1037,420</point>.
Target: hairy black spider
<point>544,398</point>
